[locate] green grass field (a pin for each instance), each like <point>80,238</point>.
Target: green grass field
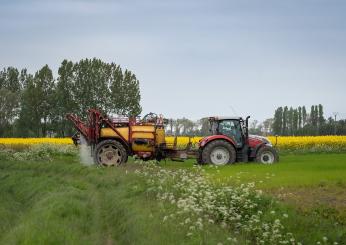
<point>310,183</point>
<point>302,170</point>
<point>65,202</point>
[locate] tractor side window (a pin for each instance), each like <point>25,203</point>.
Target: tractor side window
<point>231,128</point>
<point>225,127</point>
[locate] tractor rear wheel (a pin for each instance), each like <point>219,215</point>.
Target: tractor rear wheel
<point>110,153</point>
<point>218,152</point>
<point>267,155</point>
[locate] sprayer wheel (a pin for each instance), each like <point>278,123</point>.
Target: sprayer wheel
<point>110,153</point>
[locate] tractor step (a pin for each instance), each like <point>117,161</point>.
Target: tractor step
<point>242,155</point>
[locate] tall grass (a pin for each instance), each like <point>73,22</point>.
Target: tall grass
<point>66,202</point>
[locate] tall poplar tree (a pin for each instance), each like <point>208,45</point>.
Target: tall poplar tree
<point>277,124</point>
<point>295,121</point>
<point>300,118</point>
<point>312,115</point>
<point>304,116</point>
<point>10,93</point>
<point>321,118</point>
<point>44,91</point>
<point>290,121</point>
<point>285,121</point>
<point>64,101</point>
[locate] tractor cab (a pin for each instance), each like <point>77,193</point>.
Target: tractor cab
<point>233,127</point>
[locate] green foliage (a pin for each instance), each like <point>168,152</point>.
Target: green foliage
<point>39,152</point>
<point>9,79</point>
<point>278,120</point>
<point>96,84</point>
<point>10,88</point>
<point>36,105</point>
<point>284,121</point>
<point>295,176</point>
<point>67,203</point>
<point>64,100</point>
<point>296,121</point>
<point>8,109</point>
<point>92,83</point>
<point>237,208</point>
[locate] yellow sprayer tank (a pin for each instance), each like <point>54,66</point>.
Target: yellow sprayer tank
<point>110,133</point>
<point>144,137</point>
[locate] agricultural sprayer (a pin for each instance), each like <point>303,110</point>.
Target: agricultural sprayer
<point>112,140</point>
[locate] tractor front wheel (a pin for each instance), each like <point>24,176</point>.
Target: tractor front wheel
<point>267,155</point>
<point>110,153</point>
<point>218,152</point>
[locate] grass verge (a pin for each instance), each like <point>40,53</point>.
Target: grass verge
<point>62,201</point>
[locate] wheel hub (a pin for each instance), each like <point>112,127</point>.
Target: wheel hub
<point>219,156</point>
<point>267,157</point>
<point>109,155</point>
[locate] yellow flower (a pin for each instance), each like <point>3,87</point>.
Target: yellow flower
<point>311,142</point>
<point>31,141</point>
<point>316,143</point>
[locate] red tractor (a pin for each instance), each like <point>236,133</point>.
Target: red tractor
<point>230,142</point>
<point>112,140</point>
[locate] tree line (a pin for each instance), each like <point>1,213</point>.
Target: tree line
<point>287,121</point>
<point>186,127</point>
<point>35,105</point>
<point>297,121</point>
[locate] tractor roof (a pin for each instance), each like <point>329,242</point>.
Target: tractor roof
<point>225,118</point>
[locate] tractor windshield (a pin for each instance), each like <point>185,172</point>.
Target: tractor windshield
<point>228,127</point>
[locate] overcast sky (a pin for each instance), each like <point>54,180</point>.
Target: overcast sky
<point>193,58</point>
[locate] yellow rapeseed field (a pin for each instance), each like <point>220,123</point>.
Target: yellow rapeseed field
<point>182,141</point>
<point>316,143</point>
<point>288,143</point>
<point>310,142</point>
<point>32,141</point>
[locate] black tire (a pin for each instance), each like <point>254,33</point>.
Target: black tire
<point>267,155</point>
<point>199,157</point>
<point>221,145</point>
<point>110,153</point>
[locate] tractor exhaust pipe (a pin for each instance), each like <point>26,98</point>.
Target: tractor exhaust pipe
<point>247,126</point>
